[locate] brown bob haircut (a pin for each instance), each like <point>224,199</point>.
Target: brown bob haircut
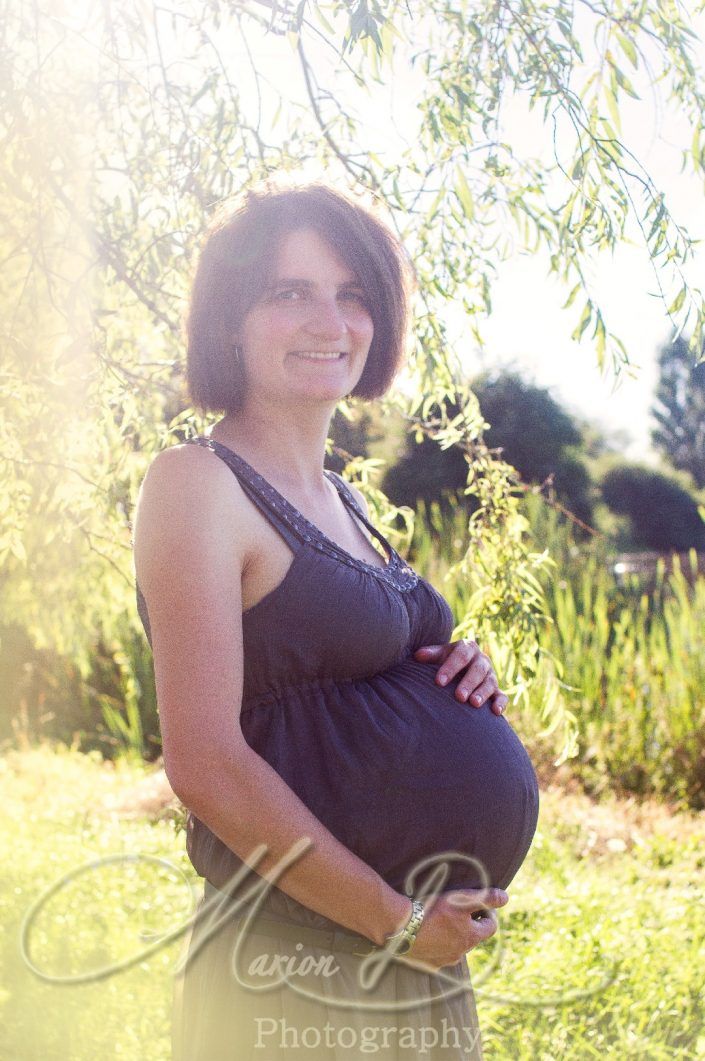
<point>234,267</point>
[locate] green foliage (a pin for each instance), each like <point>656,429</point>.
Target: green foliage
<point>663,515</point>
<point>129,708</point>
<point>123,126</point>
<point>586,929</point>
<point>108,707</point>
<point>352,432</point>
<point>640,711</point>
<point>425,472</point>
<point>526,426</point>
<point>679,410</point>
<point>537,437</point>
<point>627,701</point>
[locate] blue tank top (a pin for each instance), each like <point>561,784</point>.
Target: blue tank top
<point>390,762</point>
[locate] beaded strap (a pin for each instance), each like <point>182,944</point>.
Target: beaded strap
<point>396,572</point>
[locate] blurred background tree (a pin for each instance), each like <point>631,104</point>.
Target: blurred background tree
<point>530,429</point>
<point>679,410</point>
<point>662,514</point>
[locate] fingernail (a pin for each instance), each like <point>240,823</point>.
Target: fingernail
<point>476,700</point>
<point>442,679</point>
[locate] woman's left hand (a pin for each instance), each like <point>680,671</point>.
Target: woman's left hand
<point>479,683</point>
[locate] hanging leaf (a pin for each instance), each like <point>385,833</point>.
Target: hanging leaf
<point>464,193</point>
<point>628,48</point>
<point>582,324</point>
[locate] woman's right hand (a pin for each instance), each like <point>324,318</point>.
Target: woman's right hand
<point>449,930</point>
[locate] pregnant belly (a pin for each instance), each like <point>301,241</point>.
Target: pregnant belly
<point>467,791</point>
<point>400,772</point>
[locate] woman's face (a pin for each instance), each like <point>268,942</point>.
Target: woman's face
<point>313,304</point>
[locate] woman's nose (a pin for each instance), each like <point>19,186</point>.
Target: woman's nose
<point>327,319</point>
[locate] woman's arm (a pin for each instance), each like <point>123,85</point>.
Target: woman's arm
<point>189,556</point>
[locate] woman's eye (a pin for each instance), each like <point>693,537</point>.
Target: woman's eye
<point>296,294</point>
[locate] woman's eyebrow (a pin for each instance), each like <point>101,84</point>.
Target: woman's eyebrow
<point>291,281</point>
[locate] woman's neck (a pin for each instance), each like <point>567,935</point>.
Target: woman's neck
<point>290,445</point>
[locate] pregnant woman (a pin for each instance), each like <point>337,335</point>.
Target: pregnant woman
<point>327,769</point>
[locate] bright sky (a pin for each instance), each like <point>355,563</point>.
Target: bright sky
<point>528,325</point>
<point>527,328</point>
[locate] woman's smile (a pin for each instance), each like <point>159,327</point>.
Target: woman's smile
<point>310,355</point>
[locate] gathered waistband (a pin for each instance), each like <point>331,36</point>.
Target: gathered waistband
<point>328,681</point>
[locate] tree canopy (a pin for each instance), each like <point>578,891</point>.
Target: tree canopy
<point>679,410</point>
<point>662,514</point>
<point>124,125</point>
<point>530,430</point>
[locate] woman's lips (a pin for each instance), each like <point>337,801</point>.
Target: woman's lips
<point>319,359</point>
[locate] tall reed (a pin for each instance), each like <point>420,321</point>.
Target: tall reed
<point>633,661</point>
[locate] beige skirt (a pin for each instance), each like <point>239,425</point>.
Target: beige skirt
<point>286,988</point>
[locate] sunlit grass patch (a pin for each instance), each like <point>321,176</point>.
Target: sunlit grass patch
<point>601,947</point>
<point>57,824</point>
<point>603,942</point>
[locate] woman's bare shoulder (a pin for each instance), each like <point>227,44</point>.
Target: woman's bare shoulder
<point>192,483</point>
<point>188,494</point>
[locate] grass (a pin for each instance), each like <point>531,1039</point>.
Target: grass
<point>61,811</point>
<point>608,905</point>
<point>611,891</point>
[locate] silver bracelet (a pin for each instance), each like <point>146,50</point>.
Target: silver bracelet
<point>403,940</point>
